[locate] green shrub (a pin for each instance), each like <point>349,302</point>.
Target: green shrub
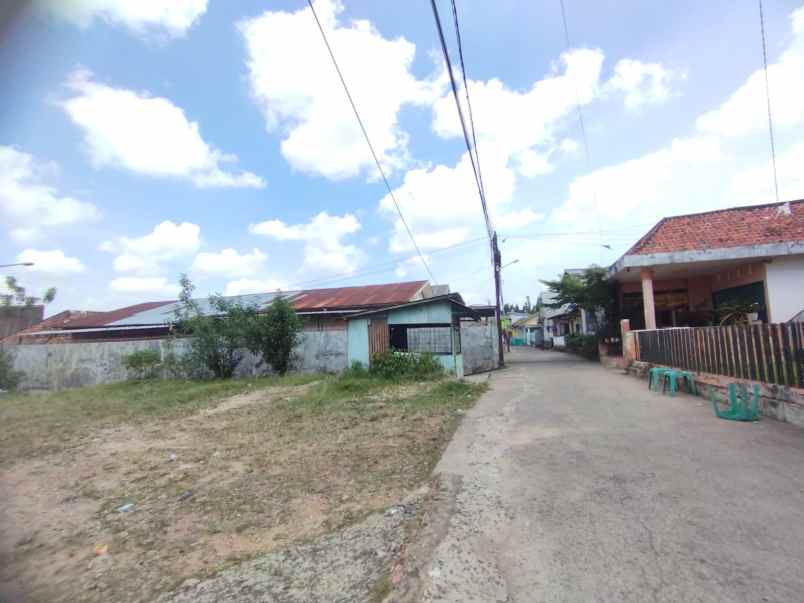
<point>584,345</point>
<point>143,364</point>
<point>9,378</point>
<point>273,333</point>
<point>394,365</point>
<point>356,371</point>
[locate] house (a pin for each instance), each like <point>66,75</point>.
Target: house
<point>531,329</point>
<point>83,348</point>
<point>687,267</point>
<point>567,319</point>
<point>431,325</point>
<point>322,309</point>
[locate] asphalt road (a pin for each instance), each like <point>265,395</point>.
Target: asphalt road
<point>571,482</point>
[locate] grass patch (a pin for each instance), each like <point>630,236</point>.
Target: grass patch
<point>43,422</point>
<point>267,462</point>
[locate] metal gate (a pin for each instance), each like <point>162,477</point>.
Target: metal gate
<point>378,336</point>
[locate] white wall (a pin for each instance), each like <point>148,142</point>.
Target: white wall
<point>785,283</point>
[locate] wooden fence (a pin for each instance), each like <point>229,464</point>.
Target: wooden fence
<point>772,353</point>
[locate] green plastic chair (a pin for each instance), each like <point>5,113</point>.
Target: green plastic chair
<point>739,408</point>
<point>671,377</point>
<point>656,376</point>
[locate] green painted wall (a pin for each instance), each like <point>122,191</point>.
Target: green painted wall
<point>358,344</point>
<point>439,312</point>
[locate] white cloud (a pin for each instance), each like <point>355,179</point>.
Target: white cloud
<point>171,17</point>
<point>28,205</point>
<point>644,188</point>
<point>144,255</point>
<point>441,204</point>
<point>641,83</point>
<point>520,126</point>
<point>324,249</point>
<point>517,219</point>
<point>247,285</point>
<point>51,262</point>
<point>156,285</point>
<point>293,81</point>
<point>229,262</point>
<point>745,111</point>
<point>412,265</point>
<point>147,135</point>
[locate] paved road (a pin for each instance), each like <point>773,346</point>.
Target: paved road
<point>570,482</point>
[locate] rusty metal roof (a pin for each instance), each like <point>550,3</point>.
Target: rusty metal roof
<point>364,296</point>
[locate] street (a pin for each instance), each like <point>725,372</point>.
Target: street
<point>571,482</point>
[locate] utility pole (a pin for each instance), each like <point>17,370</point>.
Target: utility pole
<point>498,296</point>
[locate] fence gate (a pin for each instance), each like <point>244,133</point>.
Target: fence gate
<point>378,336</point>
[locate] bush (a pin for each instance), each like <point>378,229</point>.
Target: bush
<point>584,345</point>
<point>9,378</point>
<point>273,333</point>
<point>143,364</point>
<point>356,371</point>
<point>396,365</point>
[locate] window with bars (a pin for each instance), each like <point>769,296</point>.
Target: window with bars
<point>432,339</point>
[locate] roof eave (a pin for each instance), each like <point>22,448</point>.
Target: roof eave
<point>743,252</point>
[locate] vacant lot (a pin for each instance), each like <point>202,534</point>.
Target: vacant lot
<point>119,492</point>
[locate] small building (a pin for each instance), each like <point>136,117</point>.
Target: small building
<point>687,267</point>
<point>431,325</point>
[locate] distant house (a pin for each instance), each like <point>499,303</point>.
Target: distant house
<point>566,320</point>
<point>686,267</point>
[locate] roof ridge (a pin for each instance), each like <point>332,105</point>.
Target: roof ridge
<point>736,208</point>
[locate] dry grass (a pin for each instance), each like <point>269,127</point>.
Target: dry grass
<point>216,472</point>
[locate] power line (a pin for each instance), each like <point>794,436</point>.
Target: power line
<point>368,141</point>
<point>493,247</point>
<point>581,123</point>
<point>475,167</point>
<point>770,115</point>
<point>466,91</point>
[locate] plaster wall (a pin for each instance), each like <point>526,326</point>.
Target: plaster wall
<point>57,366</point>
<point>785,287</point>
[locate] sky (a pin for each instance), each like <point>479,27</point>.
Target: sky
<point>140,141</point>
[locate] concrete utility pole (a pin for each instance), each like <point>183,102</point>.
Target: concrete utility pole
<point>498,294</point>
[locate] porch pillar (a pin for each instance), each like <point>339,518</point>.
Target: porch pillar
<point>646,274</point>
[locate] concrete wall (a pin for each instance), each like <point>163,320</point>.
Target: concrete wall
<point>479,346</point>
<point>785,287</point>
<point>64,365</point>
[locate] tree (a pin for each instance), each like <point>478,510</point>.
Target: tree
<point>18,296</point>
<point>218,339</point>
<point>591,291</point>
<point>274,333</point>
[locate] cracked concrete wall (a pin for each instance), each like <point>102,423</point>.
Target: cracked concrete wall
<point>479,346</point>
<point>56,366</point>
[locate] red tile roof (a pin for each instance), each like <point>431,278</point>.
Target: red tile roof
<point>733,227</point>
<point>364,296</point>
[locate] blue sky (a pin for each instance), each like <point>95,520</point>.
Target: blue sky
<point>142,140</point>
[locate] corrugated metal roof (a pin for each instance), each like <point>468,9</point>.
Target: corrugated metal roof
<point>166,311</point>
<point>364,296</point>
